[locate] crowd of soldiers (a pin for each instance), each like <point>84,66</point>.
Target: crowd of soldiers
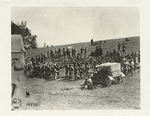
<point>78,64</point>
<point>50,63</point>
<point>128,61</point>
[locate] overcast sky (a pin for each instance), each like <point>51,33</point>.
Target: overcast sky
<point>63,25</point>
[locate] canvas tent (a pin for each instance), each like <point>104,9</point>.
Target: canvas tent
<point>17,54</point>
<point>17,48</point>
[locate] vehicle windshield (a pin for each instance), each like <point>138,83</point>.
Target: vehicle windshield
<point>103,69</point>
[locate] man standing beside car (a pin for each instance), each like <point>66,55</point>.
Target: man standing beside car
<point>90,82</point>
<point>132,67</point>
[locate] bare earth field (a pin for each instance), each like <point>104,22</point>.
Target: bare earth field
<point>64,94</point>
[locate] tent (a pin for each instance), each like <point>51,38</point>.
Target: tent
<point>17,53</point>
<point>17,47</point>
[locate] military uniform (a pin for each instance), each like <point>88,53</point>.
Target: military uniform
<point>132,67</point>
<point>67,69</point>
<point>71,71</point>
<point>55,73</point>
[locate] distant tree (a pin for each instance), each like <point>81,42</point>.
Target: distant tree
<point>28,39</point>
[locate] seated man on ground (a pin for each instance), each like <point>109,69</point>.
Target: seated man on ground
<point>88,84</point>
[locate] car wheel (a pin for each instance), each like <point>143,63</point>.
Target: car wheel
<point>120,79</point>
<point>108,82</point>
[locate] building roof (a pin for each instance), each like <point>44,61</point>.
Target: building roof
<point>17,44</point>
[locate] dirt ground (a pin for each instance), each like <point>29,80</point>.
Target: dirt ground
<point>64,94</point>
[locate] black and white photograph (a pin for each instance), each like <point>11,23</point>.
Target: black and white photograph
<point>75,58</point>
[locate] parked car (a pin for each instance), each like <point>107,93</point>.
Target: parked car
<point>107,74</point>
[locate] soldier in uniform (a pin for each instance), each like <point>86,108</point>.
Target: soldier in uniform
<point>71,71</point>
<point>41,69</point>
<point>119,46</point>
<point>75,71</point>
<point>56,51</point>
<point>135,62</point>
<point>139,57</point>
<point>57,68</point>
<point>68,52</point>
<point>38,69</point>
<point>87,69</point>
<point>100,51</point>
<point>37,60</point>
<point>78,56</point>
<point>82,49</point>
<point>45,54</point>
<point>88,84</point>
<point>64,52</point>
<point>44,57</point>
<point>75,52</point>
<point>59,51</point>
<point>132,67</point>
<point>55,72</point>
<point>91,41</point>
<point>85,52</point>
<point>72,52</point>
<point>124,48</point>
<point>52,53</point>
<point>50,70</point>
<point>81,71</point>
<point>48,52</point>
<point>67,69</point>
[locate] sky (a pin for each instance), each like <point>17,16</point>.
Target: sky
<point>65,25</point>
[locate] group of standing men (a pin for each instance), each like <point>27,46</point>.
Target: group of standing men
<point>44,64</point>
<point>75,63</point>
